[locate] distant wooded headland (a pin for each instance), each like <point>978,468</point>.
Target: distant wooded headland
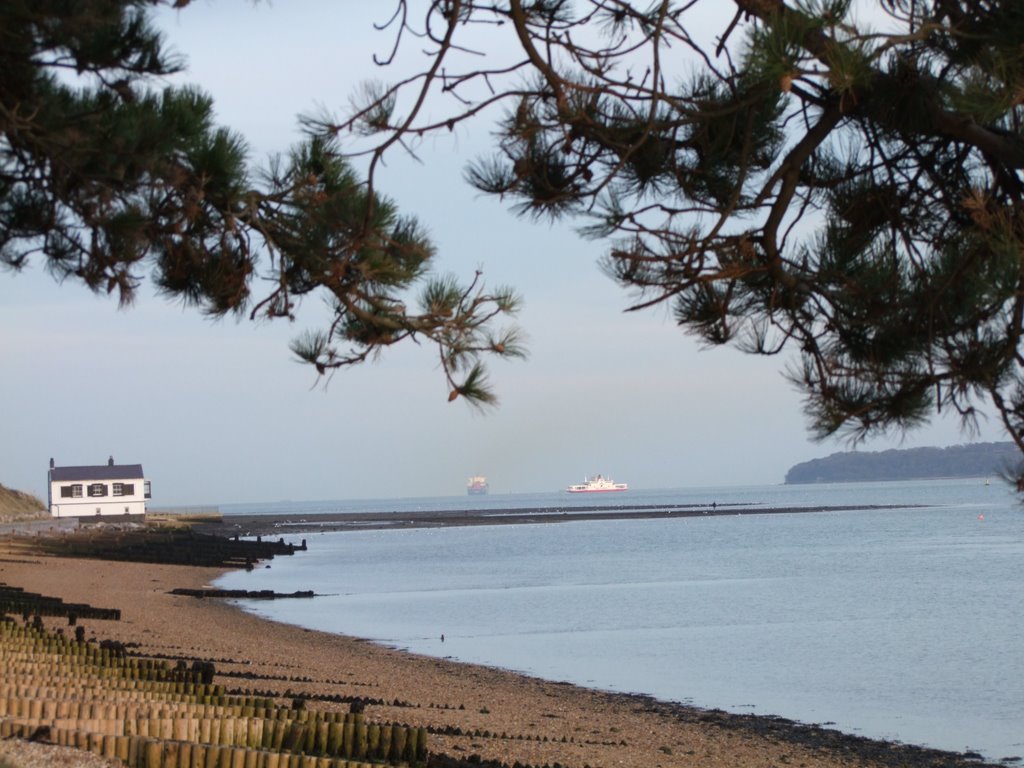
<point>973,460</point>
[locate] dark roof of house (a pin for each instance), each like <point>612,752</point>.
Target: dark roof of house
<point>99,472</point>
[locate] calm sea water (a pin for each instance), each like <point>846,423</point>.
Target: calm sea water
<point>901,624</point>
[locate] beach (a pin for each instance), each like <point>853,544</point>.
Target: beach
<point>472,711</point>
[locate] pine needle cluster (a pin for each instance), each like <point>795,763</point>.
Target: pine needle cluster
<point>108,178</point>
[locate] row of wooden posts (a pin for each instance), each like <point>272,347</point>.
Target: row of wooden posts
<point>351,740</point>
<point>107,701</point>
<point>18,602</point>
<point>170,545</point>
<point>141,752</point>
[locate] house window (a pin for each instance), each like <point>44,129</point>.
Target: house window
<point>71,491</point>
<point>124,489</point>
<point>98,489</point>
<point>149,490</point>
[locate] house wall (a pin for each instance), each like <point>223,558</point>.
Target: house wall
<point>91,506</point>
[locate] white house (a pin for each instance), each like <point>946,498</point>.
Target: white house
<point>107,489</point>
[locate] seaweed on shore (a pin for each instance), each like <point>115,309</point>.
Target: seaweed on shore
<point>246,594</point>
<point>816,736</point>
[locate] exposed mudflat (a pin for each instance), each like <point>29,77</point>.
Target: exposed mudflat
<point>280,524</point>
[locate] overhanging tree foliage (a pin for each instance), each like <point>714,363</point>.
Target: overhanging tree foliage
<point>835,178</point>
<point>104,177</point>
<point>840,179</point>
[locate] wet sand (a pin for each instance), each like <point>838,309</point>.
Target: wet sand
<point>471,710</point>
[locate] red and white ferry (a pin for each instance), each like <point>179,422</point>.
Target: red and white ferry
<point>597,484</point>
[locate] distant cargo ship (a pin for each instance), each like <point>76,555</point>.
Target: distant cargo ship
<point>597,484</point>
<point>477,486</point>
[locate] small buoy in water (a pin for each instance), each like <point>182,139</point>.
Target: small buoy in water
<point>981,517</point>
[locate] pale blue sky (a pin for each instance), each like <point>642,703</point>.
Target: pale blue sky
<point>219,412</point>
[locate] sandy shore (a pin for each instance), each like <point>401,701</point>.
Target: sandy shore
<point>500,715</point>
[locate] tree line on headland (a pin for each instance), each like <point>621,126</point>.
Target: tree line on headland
<point>974,460</point>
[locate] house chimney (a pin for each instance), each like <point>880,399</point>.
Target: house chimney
<point>110,461</point>
<point>51,462</point>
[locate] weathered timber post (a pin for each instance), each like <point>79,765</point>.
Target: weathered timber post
<point>361,738</point>
<point>399,736</point>
<point>372,740</point>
